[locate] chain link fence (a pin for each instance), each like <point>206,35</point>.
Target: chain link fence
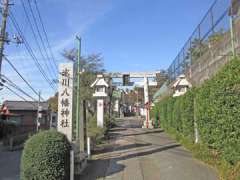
<point>210,45</point>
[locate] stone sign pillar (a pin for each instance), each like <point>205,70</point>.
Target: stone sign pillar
<point>65,100</point>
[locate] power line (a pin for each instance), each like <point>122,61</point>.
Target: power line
<point>28,47</point>
<point>45,33</point>
<point>35,38</point>
<point>12,84</point>
<point>15,69</point>
<point>30,51</point>
<point>40,36</point>
<point>14,92</point>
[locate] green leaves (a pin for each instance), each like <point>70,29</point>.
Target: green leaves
<point>46,155</point>
<point>217,111</point>
<point>218,115</point>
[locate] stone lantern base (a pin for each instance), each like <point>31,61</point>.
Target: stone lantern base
<point>147,125</point>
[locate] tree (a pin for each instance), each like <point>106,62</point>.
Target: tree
<point>90,66</point>
<point>53,102</point>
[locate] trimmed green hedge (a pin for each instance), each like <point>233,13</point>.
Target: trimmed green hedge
<point>176,114</point>
<point>217,112</point>
<point>46,156</point>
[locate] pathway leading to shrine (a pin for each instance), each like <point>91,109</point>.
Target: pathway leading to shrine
<point>140,154</point>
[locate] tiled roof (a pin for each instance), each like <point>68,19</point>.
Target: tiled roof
<point>25,105</point>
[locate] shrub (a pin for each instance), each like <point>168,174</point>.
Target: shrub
<point>93,130</point>
<point>176,114</point>
<point>187,115</point>
<point>217,107</point>
<point>218,112</point>
<point>46,156</point>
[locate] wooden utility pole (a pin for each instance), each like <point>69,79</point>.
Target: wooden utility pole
<point>3,31</point>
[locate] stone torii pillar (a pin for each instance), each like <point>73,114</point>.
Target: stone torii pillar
<point>147,123</point>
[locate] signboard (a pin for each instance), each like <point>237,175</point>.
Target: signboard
<point>126,79</point>
<point>65,99</point>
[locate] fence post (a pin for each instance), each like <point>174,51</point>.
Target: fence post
<point>196,133</point>
<point>232,36</point>
<point>71,165</point>
<point>89,147</point>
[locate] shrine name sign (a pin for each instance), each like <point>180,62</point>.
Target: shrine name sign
<point>65,99</point>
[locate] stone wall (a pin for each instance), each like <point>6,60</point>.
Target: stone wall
<point>215,57</point>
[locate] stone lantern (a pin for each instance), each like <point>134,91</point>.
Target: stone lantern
<point>101,93</point>
<point>181,86</point>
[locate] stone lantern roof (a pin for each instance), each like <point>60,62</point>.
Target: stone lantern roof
<point>101,87</point>
<point>182,81</point>
<point>181,86</point>
<point>100,81</point>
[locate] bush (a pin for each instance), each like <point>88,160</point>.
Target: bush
<point>176,114</point>
<point>93,130</point>
<point>217,110</point>
<point>218,103</point>
<point>46,156</point>
<point>187,115</point>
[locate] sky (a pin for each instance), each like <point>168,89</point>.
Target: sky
<point>136,35</point>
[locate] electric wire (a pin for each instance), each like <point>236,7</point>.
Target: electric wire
<point>15,69</point>
<point>30,51</point>
<point>41,38</point>
<point>28,48</point>
<point>20,96</point>
<point>36,39</point>
<point>12,84</point>
<point>45,33</point>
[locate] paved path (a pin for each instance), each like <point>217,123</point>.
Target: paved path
<point>9,164</point>
<point>138,154</point>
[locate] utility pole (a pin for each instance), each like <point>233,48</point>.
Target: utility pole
<point>78,88</point>
<point>81,106</point>
<point>3,31</point>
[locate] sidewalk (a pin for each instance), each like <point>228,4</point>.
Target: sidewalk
<point>9,164</point>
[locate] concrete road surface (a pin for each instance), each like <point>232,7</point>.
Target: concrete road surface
<point>9,164</point>
<point>141,154</point>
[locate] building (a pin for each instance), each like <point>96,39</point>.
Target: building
<point>23,115</point>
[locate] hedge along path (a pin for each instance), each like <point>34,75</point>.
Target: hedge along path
<point>217,112</point>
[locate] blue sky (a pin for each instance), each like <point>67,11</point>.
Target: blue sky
<point>136,35</point>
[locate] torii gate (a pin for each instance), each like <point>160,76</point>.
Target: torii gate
<point>145,84</point>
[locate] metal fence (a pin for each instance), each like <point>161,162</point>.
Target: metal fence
<point>209,45</point>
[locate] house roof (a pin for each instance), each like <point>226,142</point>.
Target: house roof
<point>25,105</point>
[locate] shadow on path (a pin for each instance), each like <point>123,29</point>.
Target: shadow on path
<point>121,148</point>
<point>101,165</point>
